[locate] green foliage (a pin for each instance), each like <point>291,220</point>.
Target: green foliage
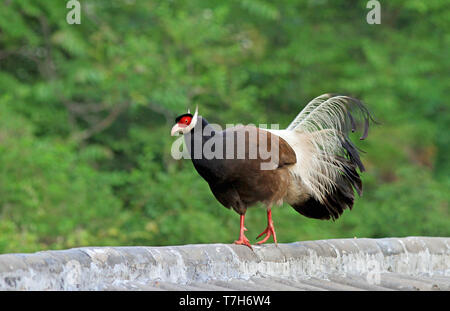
<point>86,110</point>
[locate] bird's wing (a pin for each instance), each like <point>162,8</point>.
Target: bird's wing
<point>254,168</point>
<point>256,146</point>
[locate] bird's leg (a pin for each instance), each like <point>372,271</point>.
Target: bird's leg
<point>270,229</point>
<point>242,238</point>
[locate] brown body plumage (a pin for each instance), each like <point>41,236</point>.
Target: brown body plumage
<point>240,183</point>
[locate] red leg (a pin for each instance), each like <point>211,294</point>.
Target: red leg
<point>270,229</point>
<point>242,238</point>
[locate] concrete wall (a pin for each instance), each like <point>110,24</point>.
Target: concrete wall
<point>100,268</point>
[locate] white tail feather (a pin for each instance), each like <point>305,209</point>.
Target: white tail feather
<point>308,108</point>
<point>316,135</point>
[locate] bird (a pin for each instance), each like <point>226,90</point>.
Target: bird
<point>312,165</point>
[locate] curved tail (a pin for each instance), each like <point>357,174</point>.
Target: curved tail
<point>325,175</point>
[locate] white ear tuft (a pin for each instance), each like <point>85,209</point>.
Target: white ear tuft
<point>196,111</point>
<point>193,122</point>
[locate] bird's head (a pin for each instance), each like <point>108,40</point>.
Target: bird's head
<point>185,123</point>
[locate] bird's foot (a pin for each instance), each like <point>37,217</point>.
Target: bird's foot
<point>243,239</point>
<point>269,231</point>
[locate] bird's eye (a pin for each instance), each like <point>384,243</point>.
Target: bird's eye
<point>186,120</point>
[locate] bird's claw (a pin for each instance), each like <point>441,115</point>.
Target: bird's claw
<point>269,231</point>
<point>243,240</point>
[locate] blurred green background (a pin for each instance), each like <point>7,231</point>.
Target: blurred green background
<point>86,112</point>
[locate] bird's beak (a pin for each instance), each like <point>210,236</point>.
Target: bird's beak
<point>175,130</point>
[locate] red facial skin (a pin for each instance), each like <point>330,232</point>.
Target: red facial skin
<point>181,124</point>
<point>184,121</point>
